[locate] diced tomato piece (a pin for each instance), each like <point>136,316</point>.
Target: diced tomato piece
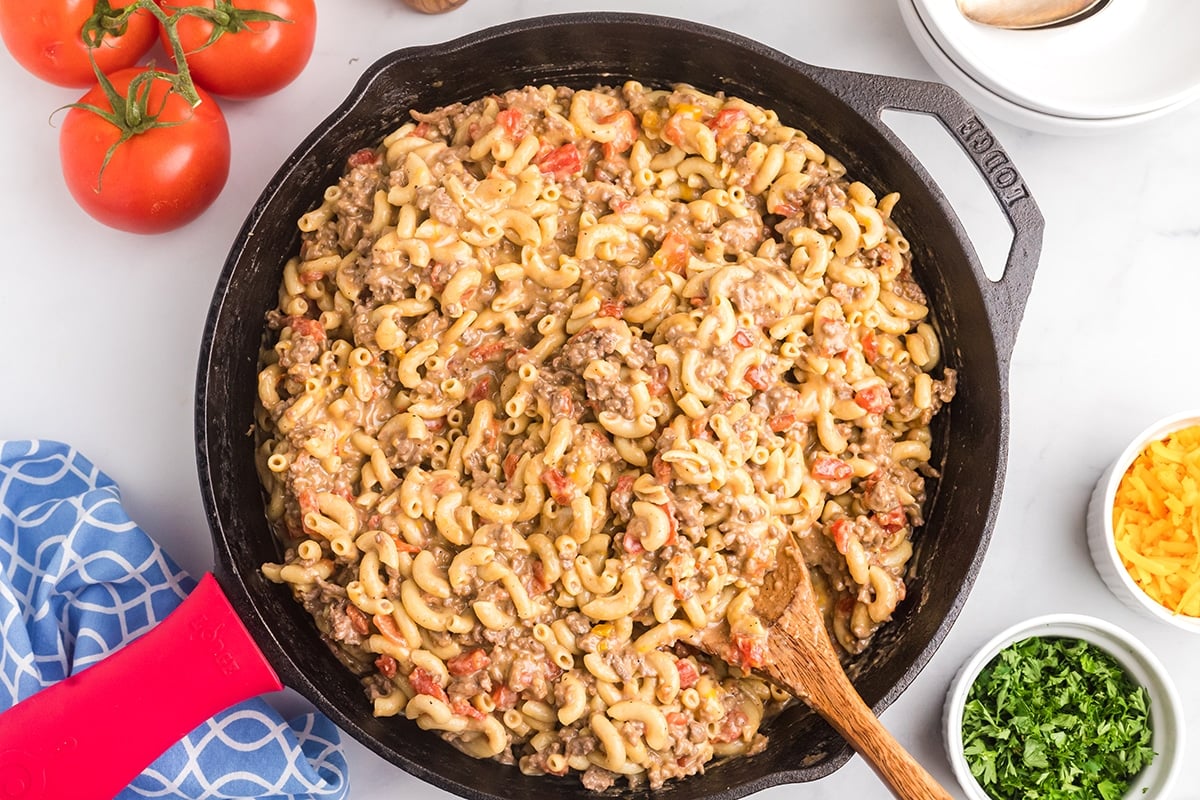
<point>688,676</point>
<point>632,544</point>
<point>436,424</point>
<point>560,486</point>
<point>539,584</point>
<point>729,122</point>
<point>504,698</point>
<point>468,662</point>
<point>782,422</point>
<point>386,665</point>
<point>674,253</point>
<point>303,326</point>
<point>512,120</point>
<point>422,130</point>
<point>839,531</point>
<point>677,719</point>
<point>510,465</point>
<point>742,338</point>
<point>785,209</point>
<point>487,351</point>
<point>672,525</point>
<point>627,132</point>
<point>388,629</point>
<point>759,377</point>
<point>362,157</point>
<point>424,683</point>
<point>561,162</point>
<point>870,347</point>
<point>663,471</point>
<point>875,398</point>
<point>749,652</point>
<point>726,118</point>
<point>463,708</point>
<point>830,468</point>
<point>311,276</point>
<point>307,498</point>
<point>672,131</point>
<point>403,545</point>
<point>358,620</point>
<point>481,389</point>
<point>611,308</point>
<point>891,520</point>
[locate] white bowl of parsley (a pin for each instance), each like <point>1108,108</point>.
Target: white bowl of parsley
<point>1064,707</point>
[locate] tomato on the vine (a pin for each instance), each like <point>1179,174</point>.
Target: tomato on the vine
<point>149,164</point>
<point>45,37</point>
<point>233,52</point>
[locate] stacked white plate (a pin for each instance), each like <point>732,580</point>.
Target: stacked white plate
<point>1130,62</point>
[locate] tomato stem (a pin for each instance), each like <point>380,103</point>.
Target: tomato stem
<point>225,18</point>
<point>129,113</point>
<point>104,21</point>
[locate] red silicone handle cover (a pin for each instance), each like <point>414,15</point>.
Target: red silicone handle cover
<point>91,734</point>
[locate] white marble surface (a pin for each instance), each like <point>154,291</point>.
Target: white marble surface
<point>102,328</point>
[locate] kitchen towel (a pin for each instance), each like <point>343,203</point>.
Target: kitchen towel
<point>78,579</point>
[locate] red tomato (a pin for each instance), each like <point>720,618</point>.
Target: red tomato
<point>156,180</point>
<point>44,36</point>
<point>749,653</point>
<point>688,676</point>
<point>840,530</point>
<point>561,162</point>
<point>675,253</point>
<point>830,468</point>
<point>468,662</point>
<point>248,58</point>
<point>874,399</point>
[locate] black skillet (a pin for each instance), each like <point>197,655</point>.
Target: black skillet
<point>91,734</point>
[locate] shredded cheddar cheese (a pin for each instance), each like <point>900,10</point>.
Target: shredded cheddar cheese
<point>1156,521</point>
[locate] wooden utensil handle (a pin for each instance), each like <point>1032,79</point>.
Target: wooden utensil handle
<point>831,694</point>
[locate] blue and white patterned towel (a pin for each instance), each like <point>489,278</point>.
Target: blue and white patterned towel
<point>78,579</point>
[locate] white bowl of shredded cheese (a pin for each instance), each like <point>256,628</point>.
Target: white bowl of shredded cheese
<point>1143,522</point>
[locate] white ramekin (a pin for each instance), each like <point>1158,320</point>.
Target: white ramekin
<point>1102,540</point>
<point>1166,709</point>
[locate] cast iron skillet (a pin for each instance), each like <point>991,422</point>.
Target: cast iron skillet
<point>245,645</point>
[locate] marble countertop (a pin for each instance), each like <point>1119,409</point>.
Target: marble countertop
<point>102,328</point>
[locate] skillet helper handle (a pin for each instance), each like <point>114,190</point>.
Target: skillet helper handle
<point>87,737</point>
<point>1005,298</point>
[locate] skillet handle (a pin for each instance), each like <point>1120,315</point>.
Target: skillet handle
<point>1004,298</point>
<point>88,736</point>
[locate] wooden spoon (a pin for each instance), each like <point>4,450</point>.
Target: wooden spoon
<point>801,659</point>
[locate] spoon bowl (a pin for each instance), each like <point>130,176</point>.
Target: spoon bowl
<point>801,658</point>
<point>1028,14</point>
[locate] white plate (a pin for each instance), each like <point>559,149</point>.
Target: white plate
<point>1131,57</point>
<point>993,104</point>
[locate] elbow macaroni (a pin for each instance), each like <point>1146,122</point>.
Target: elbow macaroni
<point>552,377</point>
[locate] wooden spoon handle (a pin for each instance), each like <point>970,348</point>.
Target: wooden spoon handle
<point>827,690</point>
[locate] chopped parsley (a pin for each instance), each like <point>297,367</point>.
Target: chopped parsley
<point>1056,719</point>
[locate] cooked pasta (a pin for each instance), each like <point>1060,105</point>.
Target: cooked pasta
<point>552,377</point>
